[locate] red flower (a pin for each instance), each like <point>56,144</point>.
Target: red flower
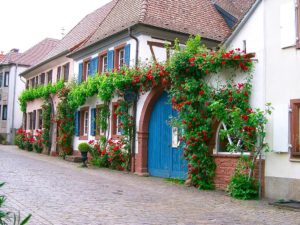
<point>223,62</point>
<point>245,117</point>
<point>201,92</point>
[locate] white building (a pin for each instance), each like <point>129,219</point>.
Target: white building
<point>271,30</point>
<point>11,85</point>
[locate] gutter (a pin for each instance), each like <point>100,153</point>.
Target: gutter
<point>242,23</point>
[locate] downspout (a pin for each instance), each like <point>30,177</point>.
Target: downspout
<point>13,106</point>
<point>133,141</point>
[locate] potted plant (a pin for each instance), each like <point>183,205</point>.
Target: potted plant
<point>84,149</point>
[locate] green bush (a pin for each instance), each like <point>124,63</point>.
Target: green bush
<point>83,147</point>
<point>243,187</point>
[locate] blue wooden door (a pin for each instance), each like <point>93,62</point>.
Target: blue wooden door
<point>163,159</point>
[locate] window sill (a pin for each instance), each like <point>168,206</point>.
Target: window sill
<point>229,154</point>
<point>83,138</point>
<point>115,136</point>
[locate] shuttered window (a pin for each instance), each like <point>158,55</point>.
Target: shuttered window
<point>93,66</point>
<point>66,71</point>
<point>110,60</point>
<point>77,123</point>
<point>34,120</point>
<point>93,121</point>
<point>80,72</point>
<point>295,128</point>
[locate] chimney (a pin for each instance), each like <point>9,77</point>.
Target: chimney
<point>14,50</point>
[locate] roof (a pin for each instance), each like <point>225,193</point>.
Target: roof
<point>185,16</point>
<point>10,57</point>
<point>237,8</point>
<point>82,30</point>
<point>36,53</point>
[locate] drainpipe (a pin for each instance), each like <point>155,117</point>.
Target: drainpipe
<point>133,141</point>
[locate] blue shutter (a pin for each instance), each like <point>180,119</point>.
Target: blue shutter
<point>94,66</point>
<point>77,123</point>
<point>127,54</point>
<point>80,72</point>
<point>93,121</point>
<point>110,60</point>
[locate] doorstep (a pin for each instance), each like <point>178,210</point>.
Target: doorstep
<point>73,158</point>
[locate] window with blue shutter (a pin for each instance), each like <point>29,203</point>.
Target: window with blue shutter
<point>93,121</point>
<point>94,66</point>
<point>80,73</point>
<point>110,60</point>
<point>127,54</point>
<point>77,123</point>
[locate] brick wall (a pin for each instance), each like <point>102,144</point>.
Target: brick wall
<point>226,165</point>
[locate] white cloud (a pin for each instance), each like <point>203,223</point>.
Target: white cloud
<point>24,23</point>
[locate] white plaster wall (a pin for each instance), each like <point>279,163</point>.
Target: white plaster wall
<point>282,85</point>
<point>253,33</point>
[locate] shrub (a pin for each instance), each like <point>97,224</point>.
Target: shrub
<point>19,139</point>
<point>83,147</point>
<point>243,187</point>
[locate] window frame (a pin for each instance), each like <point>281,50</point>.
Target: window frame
<point>101,66</point>
<point>30,118</point>
<point>117,51</point>
<point>40,119</point>
<point>86,66</point>
<point>49,76</point>
<point>82,134</point>
<point>66,67</point>
<point>58,73</point>
<point>294,128</point>
<point>4,116</point>
<point>298,24</point>
<point>42,78</point>
<point>6,79</point>
<point>1,79</point>
<point>115,121</point>
<point>99,132</point>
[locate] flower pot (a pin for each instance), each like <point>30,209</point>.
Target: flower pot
<point>84,158</point>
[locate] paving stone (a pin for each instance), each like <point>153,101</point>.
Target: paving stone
<point>62,193</point>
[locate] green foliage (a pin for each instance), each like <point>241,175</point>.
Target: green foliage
<point>6,217</point>
<point>83,147</point>
<point>39,92</point>
<point>46,116</point>
<point>102,117</point>
<point>241,185</point>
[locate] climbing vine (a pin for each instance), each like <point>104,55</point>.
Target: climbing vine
<point>189,78</point>
<point>46,118</point>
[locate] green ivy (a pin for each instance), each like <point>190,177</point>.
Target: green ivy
<point>46,115</point>
<point>39,92</point>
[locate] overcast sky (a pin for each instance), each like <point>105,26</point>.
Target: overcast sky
<point>26,22</point>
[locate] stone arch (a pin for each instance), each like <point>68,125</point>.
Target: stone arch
<point>141,165</point>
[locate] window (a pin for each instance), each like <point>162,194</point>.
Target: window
<point>1,79</point>
<point>27,84</point>
<point>58,73</point>
<point>84,123</point>
<point>103,62</point>
<point>99,111</point>
<point>295,128</point>
<point>40,119</point>
<point>66,72</point>
<point>86,69</point>
<point>49,75</point>
<point>119,56</point>
<point>32,82</point>
<point>6,79</point>
<point>30,117</point>
<point>42,78</point>
<point>4,112</point>
<point>0,109</point>
<point>34,120</point>
<point>115,121</point>
<point>36,81</point>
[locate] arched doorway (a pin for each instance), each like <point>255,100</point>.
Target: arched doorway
<point>165,157</point>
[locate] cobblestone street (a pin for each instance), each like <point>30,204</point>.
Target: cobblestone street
<point>59,192</point>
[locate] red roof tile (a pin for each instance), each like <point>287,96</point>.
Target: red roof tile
<point>36,53</point>
<point>82,30</point>
<point>186,16</point>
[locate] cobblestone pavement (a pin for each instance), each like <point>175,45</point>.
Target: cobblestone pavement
<point>59,192</point>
